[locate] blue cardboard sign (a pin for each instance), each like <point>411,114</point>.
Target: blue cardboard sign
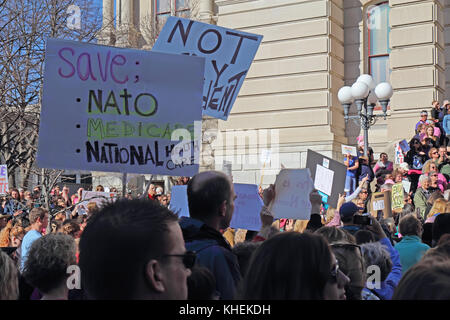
<point>228,55</point>
<point>179,201</point>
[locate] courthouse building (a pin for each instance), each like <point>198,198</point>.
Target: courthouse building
<point>311,48</point>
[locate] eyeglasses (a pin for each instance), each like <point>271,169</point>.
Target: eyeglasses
<point>188,258</point>
<point>334,272</point>
<point>434,152</point>
<point>363,192</point>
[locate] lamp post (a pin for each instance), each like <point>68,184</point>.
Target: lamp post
<point>365,94</point>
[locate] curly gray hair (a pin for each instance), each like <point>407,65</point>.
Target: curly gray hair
<point>48,259</point>
<point>9,278</point>
<point>376,254</point>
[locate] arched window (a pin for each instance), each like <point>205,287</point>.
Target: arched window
<point>378,41</point>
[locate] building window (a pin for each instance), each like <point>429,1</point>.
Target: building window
<point>166,8</point>
<point>378,42</point>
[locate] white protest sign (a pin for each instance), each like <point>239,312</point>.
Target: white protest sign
<point>265,155</point>
<point>100,198</point>
<point>229,54</point>
<point>292,189</point>
<point>323,180</point>
<point>118,110</point>
<point>378,205</point>
<point>179,201</point>
<point>399,156</point>
<point>247,207</point>
<point>349,150</point>
<point>4,179</point>
<point>406,186</point>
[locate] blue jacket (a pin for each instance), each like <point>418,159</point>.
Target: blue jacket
<point>446,124</point>
<point>214,253</point>
<point>411,250</point>
<point>388,286</point>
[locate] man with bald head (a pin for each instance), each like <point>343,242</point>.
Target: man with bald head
<point>211,204</point>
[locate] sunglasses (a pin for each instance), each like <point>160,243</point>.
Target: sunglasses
<point>334,273</point>
<point>188,258</point>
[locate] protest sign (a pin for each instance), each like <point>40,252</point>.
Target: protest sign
<point>404,146</point>
<point>4,179</point>
<point>229,54</point>
<point>399,156</point>
<point>247,207</point>
<point>336,181</point>
<point>406,186</point>
<point>99,198</point>
<point>397,196</point>
<point>381,201</point>
<point>118,110</point>
<point>179,201</point>
<point>323,180</point>
<point>292,189</point>
<point>349,150</point>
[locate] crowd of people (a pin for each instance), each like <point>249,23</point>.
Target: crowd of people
<point>351,252</point>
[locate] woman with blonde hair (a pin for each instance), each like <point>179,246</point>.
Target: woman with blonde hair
<point>440,206</point>
<point>11,236</point>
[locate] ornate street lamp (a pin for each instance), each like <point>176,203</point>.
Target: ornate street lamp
<point>365,94</point>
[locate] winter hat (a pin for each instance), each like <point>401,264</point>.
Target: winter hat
<point>347,210</point>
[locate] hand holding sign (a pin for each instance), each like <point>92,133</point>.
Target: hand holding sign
<point>292,194</point>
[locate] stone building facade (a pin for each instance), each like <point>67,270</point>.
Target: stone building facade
<point>288,102</point>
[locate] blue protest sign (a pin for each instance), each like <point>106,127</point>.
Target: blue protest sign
<point>118,110</point>
<point>228,55</point>
<point>247,207</point>
<point>179,201</point>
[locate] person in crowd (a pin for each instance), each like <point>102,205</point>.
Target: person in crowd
<point>352,164</point>
<point>439,206</point>
<point>349,257</point>
<point>446,124</point>
<point>441,226</point>
<point>365,170</point>
<point>441,251</point>
<point>346,212</point>
<point>444,163</point>
<point>9,278</point>
<point>65,196</point>
<point>421,132</point>
<point>439,181</point>
<point>100,188</point>
<point>71,228</point>
<point>435,183</point>
<point>436,112</point>
<point>201,284</point>
<point>164,200</point>
<point>152,192</point>
<point>422,194</point>
<point>375,254</point>
<point>211,199</point>
<point>314,223</point>
<point>294,266</point>
<point>383,163</point>
<point>415,158</point>
<point>386,289</point>
<point>38,221</point>
<point>410,248</point>
<point>13,205</point>
<point>423,119</point>
<point>433,157</point>
<point>47,263</point>
<point>427,280</point>
<point>243,252</point>
<point>152,262</point>
<point>11,236</point>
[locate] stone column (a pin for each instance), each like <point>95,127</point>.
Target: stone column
<point>107,33</point>
<point>417,61</point>
<point>127,32</point>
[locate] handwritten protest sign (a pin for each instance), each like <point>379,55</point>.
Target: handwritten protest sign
<point>399,156</point>
<point>381,201</point>
<point>406,186</point>
<point>179,201</point>
<point>229,54</point>
<point>4,179</point>
<point>323,180</point>
<point>247,207</point>
<point>115,109</point>
<point>292,189</point>
<point>100,198</point>
<point>397,196</point>
<point>349,150</point>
